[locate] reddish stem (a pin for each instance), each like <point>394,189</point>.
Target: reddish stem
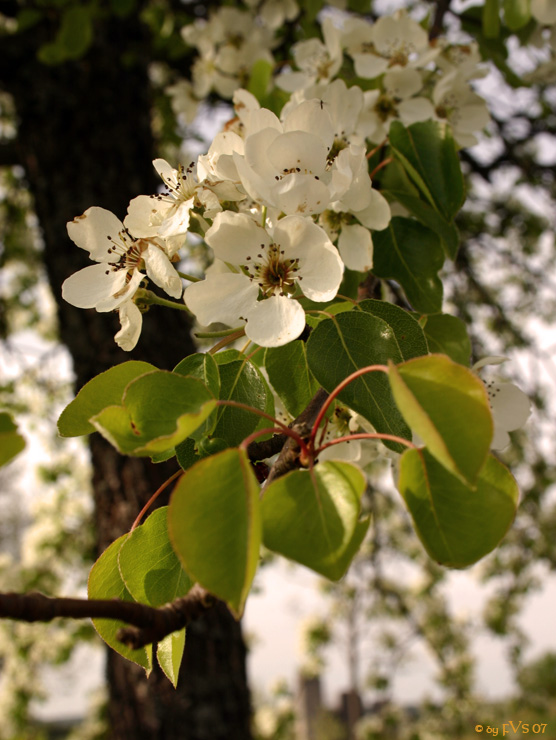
<point>381,165</point>
<point>367,435</point>
<point>153,498</point>
<point>339,388</point>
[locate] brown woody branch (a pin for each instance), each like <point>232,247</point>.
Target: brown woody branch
<point>149,624</point>
<point>289,456</point>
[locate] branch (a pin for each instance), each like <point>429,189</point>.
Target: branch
<point>437,28</point>
<point>289,457</point>
<point>149,624</point>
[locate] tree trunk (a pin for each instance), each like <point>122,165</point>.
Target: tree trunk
<point>84,138</point>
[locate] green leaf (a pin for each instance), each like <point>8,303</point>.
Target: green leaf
<point>412,255</point>
<point>517,13</point>
<point>11,442</point>
<point>312,517</point>
<point>447,335</point>
<point>169,653</point>
<point>159,410</point>
<point>349,342</point>
<point>409,335</point>
<point>259,81</point>
<point>429,155</point>
<point>105,582</point>
<point>431,218</point>
<point>215,527</point>
<point>104,390</point>
<point>241,382</point>
<point>149,566</point>
<point>186,454</point>
<point>76,31</point>
<point>457,524</point>
<point>203,367</point>
<point>491,18</point>
<point>290,376</point>
<point>447,406</point>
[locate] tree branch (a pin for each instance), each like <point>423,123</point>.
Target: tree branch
<point>149,624</point>
<point>437,28</point>
<point>289,457</point>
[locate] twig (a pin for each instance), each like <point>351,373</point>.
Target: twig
<point>149,624</point>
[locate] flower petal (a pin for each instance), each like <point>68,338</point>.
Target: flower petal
<point>95,285</point>
<point>161,271</point>
<point>275,321</point>
<point>222,297</point>
<point>131,320</point>
<point>94,231</point>
<point>356,248</point>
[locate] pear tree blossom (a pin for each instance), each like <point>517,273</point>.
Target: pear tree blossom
<point>120,256</point>
<point>509,404</point>
<point>266,267</point>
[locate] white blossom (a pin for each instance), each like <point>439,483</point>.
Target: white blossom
<point>265,267</point>
<point>120,257</point>
<point>510,406</point>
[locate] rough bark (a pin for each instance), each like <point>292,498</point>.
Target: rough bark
<point>84,138</point>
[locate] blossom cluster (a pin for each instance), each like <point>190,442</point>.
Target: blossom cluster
<point>271,196</point>
<point>404,75</point>
<point>285,202</point>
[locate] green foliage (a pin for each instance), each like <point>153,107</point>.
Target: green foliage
<point>106,582</point>
<point>313,517</point>
<point>11,442</point>
<point>428,154</point>
<point>457,430</point>
<point>350,341</point>
<point>218,497</point>
<point>458,524</point>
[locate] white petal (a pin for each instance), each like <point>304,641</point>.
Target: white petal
<point>224,298</point>
<point>131,320</point>
<point>93,285</point>
<point>94,231</point>
<point>166,172</point>
<point>236,238</point>
<point>145,214</point>
<point>320,266</point>
<point>510,406</point>
<point>376,216</point>
<point>356,248</point>
<point>275,321</point>
<point>161,271</point>
<point>177,222</point>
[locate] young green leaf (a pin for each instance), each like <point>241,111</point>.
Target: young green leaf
<point>159,410</point>
<point>203,367</point>
<point>215,527</point>
<point>104,390</point>
<point>105,582</point>
<point>457,524</point>
<point>447,406</point>
<point>169,653</point>
<point>148,564</point>
<point>313,516</point>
